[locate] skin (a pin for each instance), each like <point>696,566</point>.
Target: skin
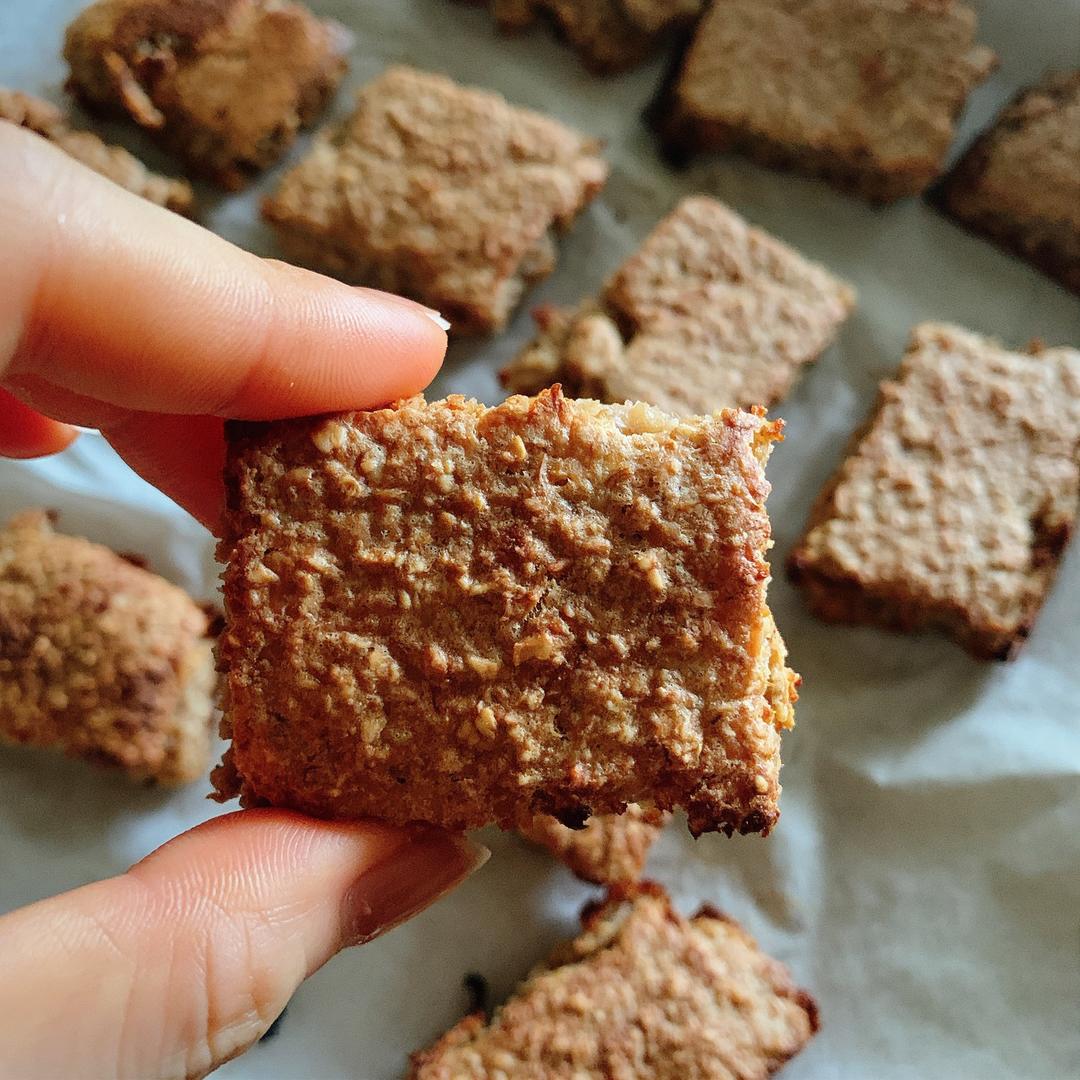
<point>117,315</point>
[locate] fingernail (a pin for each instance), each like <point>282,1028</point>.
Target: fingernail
<point>410,878</point>
<point>414,305</point>
<point>437,319</point>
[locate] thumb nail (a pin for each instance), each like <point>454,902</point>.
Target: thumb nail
<point>412,876</point>
<point>403,301</point>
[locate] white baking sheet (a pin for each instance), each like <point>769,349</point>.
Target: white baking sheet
<point>924,881</point>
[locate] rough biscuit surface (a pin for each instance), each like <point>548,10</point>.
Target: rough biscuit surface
<point>115,162</point>
<point>709,313</point>
<point>641,994</point>
<point>862,92</point>
<point>956,502</point>
<point>226,84</point>
<point>610,849</point>
<point>609,35</point>
<point>443,193</point>
<point>447,613</point>
<point>100,658</point>
<point>1020,183</point>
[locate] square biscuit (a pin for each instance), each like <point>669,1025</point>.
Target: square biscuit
<point>446,194</point>
<point>609,849</point>
<point>225,84</point>
<point>641,994</point>
<point>709,313</point>
<point>454,614</point>
<point>608,35</point>
<point>114,162</point>
<point>1019,184</point>
<point>100,658</point>
<point>864,93</point>
<point>956,502</point>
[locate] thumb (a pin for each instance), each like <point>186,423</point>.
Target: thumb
<point>183,962</point>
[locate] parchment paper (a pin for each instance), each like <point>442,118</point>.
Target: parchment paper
<point>924,880</point>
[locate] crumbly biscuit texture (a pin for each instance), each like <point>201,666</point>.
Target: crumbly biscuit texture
<point>447,613</point>
<point>446,194</point>
<point>1019,184</point>
<point>100,658</point>
<point>956,503</point>
<point>611,848</point>
<point>862,92</point>
<point>609,35</point>
<point>708,313</point>
<point>114,162</point>
<point>227,84</point>
<point>642,993</point>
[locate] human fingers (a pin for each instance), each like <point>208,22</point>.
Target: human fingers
<point>185,960</point>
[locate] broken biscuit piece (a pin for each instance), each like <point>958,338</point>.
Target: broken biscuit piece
<point>446,194</point>
<point>609,849</point>
<point>100,658</point>
<point>642,994</point>
<point>225,84</point>
<point>709,313</point>
<point>954,506</point>
<point>113,162</point>
<point>448,613</point>
<point>864,93</point>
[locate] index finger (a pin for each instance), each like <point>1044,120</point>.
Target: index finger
<point>115,300</point>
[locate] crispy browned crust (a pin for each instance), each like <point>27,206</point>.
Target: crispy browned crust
<point>99,658</point>
<point>956,499</point>
<point>817,89</point>
<point>453,614</point>
<point>641,993</point>
<point>1019,183</point>
<point>226,84</point>
<point>447,194</point>
<point>611,848</point>
<point>708,313</point>
<point>609,35</point>
<point>114,162</point>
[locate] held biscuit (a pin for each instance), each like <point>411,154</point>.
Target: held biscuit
<point>641,994</point>
<point>446,613</point>
<point>608,35</point>
<point>226,84</point>
<point>1019,184</point>
<point>611,848</point>
<point>864,93</point>
<point>956,502</point>
<point>100,658</point>
<point>446,194</point>
<point>708,313</point>
<point>113,162</point>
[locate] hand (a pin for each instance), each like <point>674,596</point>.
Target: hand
<point>120,316</point>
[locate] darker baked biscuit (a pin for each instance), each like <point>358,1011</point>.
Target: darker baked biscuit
<point>448,613</point>
<point>100,658</point>
<point>226,84</point>
<point>608,35</point>
<point>862,92</point>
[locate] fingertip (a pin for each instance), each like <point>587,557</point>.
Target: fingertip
<point>26,433</point>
